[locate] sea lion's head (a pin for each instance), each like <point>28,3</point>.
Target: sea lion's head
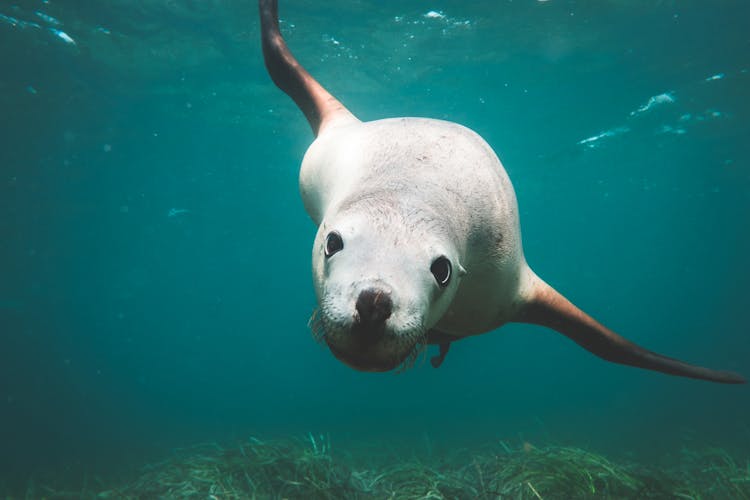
<point>384,275</point>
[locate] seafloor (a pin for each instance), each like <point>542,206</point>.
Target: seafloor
<point>309,467</point>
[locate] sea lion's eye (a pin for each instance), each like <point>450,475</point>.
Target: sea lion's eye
<point>334,243</point>
<point>441,270</point>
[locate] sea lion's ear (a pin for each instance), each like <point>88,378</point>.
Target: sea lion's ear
<point>321,109</point>
<point>544,306</point>
<point>461,269</point>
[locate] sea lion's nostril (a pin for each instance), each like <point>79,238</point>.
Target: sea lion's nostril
<point>373,306</point>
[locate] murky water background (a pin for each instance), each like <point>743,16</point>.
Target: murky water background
<point>155,256</point>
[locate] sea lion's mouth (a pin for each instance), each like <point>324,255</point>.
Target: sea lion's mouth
<point>373,348</point>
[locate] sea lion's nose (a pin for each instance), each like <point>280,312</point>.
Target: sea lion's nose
<point>374,306</point>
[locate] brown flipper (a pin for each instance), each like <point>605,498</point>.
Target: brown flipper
<point>545,306</point>
<point>436,361</point>
<point>320,108</point>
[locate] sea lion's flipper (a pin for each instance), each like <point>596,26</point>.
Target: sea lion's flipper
<point>436,361</point>
<point>320,108</point>
<point>443,340</point>
<point>545,306</point>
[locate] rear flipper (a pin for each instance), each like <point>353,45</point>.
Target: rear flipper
<point>545,306</point>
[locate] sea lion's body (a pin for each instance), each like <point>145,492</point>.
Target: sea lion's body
<point>419,239</point>
<point>438,167</point>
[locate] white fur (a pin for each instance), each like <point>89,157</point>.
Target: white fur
<point>437,188</point>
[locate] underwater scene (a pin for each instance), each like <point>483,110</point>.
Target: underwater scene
<point>159,333</point>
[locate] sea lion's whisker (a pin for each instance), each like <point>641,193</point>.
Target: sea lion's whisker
<point>316,323</point>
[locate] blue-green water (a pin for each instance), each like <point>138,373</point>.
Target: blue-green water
<point>155,256</point>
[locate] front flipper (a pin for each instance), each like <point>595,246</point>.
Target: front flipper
<point>545,306</point>
<point>321,109</point>
<point>436,361</point>
<point>444,341</point>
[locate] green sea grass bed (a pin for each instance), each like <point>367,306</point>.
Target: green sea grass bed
<point>312,467</point>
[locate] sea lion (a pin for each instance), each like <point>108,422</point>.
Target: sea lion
<point>419,239</point>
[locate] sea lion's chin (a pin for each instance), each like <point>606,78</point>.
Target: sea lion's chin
<point>378,356</point>
<point>365,361</point>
